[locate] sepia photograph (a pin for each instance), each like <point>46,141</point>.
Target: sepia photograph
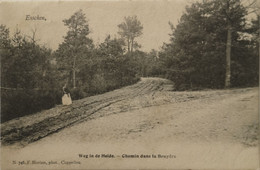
<point>130,84</point>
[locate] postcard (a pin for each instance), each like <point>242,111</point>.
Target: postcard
<point>130,84</point>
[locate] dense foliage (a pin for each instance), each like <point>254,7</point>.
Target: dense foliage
<point>196,55</point>
<point>32,76</point>
<point>28,82</point>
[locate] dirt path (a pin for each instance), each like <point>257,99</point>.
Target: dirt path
<point>203,129</point>
<point>34,127</point>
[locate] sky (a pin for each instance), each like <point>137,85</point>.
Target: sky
<point>103,18</point>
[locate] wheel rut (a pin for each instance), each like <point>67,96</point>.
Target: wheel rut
<point>79,111</point>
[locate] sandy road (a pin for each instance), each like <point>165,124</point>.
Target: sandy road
<point>202,129</point>
<point>34,127</point>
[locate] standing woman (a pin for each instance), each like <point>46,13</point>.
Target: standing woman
<point>66,99</point>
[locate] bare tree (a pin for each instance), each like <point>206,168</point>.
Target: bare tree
<point>33,36</point>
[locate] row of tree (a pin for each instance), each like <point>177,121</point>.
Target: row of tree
<point>78,53</point>
<point>32,76</point>
<point>212,46</point>
<point>28,80</point>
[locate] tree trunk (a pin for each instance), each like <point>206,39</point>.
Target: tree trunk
<point>74,78</point>
<point>132,45</point>
<point>258,35</point>
<point>128,44</point>
<point>74,72</point>
<point>228,56</point>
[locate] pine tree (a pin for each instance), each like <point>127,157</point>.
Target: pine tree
<point>202,44</point>
<point>129,30</point>
<point>75,48</point>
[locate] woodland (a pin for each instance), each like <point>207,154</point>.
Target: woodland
<point>214,46</point>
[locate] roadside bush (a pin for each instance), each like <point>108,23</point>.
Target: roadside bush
<point>17,103</point>
<point>77,93</point>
